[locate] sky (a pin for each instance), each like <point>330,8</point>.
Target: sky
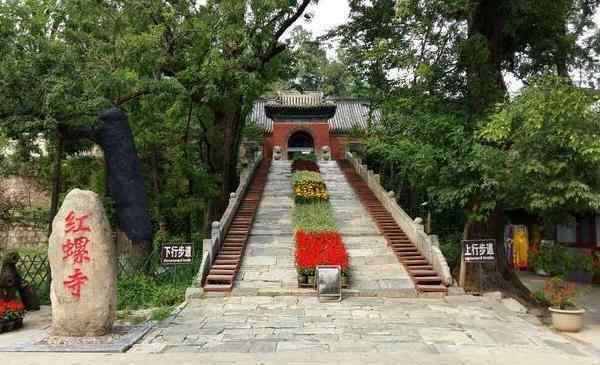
<point>328,14</point>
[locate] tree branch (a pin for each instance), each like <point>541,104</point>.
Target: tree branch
<point>290,21</point>
<point>120,100</point>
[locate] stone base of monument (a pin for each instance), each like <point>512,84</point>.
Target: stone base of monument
<point>120,339</point>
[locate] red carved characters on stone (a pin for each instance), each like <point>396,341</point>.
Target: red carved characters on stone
<point>74,224</point>
<point>75,282</point>
<point>76,248</point>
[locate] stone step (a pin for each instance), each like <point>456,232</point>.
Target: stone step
<point>218,287</point>
<point>428,279</point>
<point>432,288</point>
<point>220,278</point>
<point>422,273</point>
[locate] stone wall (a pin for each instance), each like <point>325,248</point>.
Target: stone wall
<point>22,236</point>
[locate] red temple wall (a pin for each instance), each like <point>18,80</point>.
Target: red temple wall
<point>318,130</point>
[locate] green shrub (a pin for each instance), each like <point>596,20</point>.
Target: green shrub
<point>314,217</point>
<point>160,314</point>
<point>558,260</point>
<point>141,291</point>
<point>450,246</point>
<point>299,156</point>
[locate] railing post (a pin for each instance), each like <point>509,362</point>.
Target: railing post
<point>215,231</point>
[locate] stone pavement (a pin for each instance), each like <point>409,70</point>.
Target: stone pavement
<point>375,268</point>
<point>268,264</point>
<point>457,326</point>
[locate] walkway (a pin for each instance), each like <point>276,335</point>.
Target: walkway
<point>375,268</point>
<point>268,264</point>
<point>410,327</point>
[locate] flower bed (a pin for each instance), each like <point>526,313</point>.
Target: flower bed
<point>11,315</point>
<point>315,230</point>
<point>309,187</point>
<point>314,217</point>
<point>304,165</point>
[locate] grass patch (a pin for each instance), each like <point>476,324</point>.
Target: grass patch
<point>140,291</point>
<point>160,314</point>
<point>314,217</point>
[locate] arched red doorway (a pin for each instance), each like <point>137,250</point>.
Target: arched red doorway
<point>300,142</point>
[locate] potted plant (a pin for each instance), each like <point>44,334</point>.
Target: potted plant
<point>11,315</point>
<point>302,276</point>
<point>560,297</point>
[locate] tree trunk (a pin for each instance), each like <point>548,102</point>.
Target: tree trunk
<point>485,81</point>
<point>228,121</point>
<point>125,179</point>
<point>56,178</point>
<point>501,276</point>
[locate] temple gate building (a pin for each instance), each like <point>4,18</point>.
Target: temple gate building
<point>310,122</point>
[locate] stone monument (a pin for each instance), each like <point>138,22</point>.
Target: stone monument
<point>83,261</point>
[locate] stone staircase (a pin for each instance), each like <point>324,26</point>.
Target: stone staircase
<point>257,255</point>
<point>375,269</point>
<point>224,269</point>
<point>268,266</point>
<point>420,270</point>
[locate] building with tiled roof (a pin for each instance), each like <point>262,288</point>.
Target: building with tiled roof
<point>308,122</point>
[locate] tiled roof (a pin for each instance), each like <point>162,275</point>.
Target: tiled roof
<point>350,114</point>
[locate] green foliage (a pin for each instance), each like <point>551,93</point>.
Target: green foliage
<point>313,70</point>
<point>450,244</point>
<point>140,291</point>
<point>549,141</point>
<point>160,314</point>
<point>299,156</point>
<point>301,177</point>
<point>558,294</point>
<point>314,217</point>
<point>558,260</point>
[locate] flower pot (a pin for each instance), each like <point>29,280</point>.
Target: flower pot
<point>9,326</point>
<point>302,279</point>
<point>18,323</point>
<point>567,320</point>
<point>345,281</point>
<point>311,280</point>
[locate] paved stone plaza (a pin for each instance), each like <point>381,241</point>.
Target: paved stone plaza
<point>416,328</point>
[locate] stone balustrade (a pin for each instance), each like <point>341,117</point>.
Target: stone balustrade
<point>428,245</point>
<point>212,245</point>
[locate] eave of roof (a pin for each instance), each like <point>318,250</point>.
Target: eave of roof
<point>278,112</point>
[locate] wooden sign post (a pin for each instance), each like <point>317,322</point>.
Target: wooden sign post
<point>476,251</point>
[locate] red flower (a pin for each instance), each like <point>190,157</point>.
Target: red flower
<point>10,306</point>
<point>325,248</point>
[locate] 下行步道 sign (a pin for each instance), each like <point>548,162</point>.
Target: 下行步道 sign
<point>176,253</point>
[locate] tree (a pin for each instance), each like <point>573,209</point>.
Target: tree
<point>312,70</point>
<point>437,71</point>
<point>62,66</point>
<point>226,54</point>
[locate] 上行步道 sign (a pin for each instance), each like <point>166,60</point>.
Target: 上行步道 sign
<point>483,250</point>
